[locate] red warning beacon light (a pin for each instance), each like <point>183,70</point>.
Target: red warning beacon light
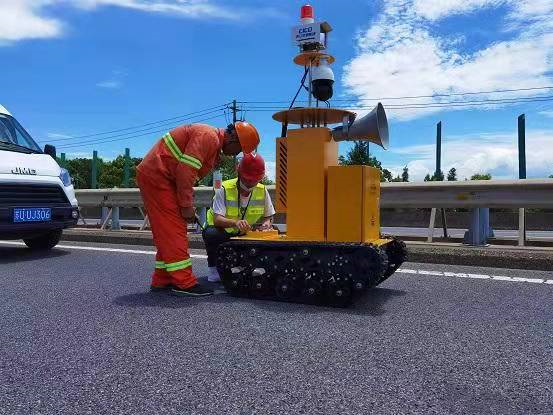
<point>307,14</point>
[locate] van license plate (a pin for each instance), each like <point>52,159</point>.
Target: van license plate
<point>32,215</point>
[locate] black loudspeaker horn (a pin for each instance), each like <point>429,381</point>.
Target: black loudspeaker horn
<point>372,127</point>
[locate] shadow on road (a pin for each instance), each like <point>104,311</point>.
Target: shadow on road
<point>371,303</point>
<point>13,255</point>
<point>151,299</point>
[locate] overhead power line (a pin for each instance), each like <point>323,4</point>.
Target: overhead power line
<point>155,124</point>
<point>112,139</point>
<point>449,104</point>
<point>498,91</point>
<point>147,130</point>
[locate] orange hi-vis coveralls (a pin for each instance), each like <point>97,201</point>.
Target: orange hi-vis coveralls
<point>166,178</point>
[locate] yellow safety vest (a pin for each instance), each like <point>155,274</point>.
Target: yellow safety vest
<point>254,210</point>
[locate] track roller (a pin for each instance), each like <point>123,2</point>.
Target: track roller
<point>331,274</point>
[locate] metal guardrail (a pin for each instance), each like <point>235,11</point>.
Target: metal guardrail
<point>528,193</point>
<point>509,194</point>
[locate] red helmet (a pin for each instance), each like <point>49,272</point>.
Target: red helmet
<point>252,167</point>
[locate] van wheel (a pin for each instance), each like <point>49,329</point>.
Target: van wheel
<point>45,241</point>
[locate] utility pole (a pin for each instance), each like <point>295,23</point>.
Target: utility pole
<point>438,149</point>
<point>234,109</point>
<point>127,168</point>
<point>521,175</point>
<point>94,173</point>
<point>438,172</point>
<point>521,146</point>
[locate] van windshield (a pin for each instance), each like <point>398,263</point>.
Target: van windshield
<point>12,134</point>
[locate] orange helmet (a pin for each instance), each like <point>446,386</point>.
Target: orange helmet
<point>252,167</point>
<point>247,135</point>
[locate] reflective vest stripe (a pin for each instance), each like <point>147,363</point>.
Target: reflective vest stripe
<point>257,203</point>
<point>179,155</point>
<point>160,265</point>
<point>234,203</point>
<point>254,212</point>
<point>176,266</point>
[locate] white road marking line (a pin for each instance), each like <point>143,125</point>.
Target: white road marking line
<point>475,276</point>
<point>94,248</point>
<point>401,270</point>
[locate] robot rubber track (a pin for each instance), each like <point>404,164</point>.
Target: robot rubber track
<point>318,273</point>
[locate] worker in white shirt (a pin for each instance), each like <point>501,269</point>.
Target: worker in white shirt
<point>240,205</point>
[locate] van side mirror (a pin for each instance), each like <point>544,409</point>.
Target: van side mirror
<point>50,150</point>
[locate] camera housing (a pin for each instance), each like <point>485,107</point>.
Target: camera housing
<point>322,81</point>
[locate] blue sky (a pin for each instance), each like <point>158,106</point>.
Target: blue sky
<point>78,67</point>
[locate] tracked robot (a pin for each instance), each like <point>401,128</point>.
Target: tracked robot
<point>332,251</point>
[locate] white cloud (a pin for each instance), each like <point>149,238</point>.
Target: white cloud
<point>270,169</point>
<point>23,19</point>
<point>435,9</point>
<point>109,84</point>
<point>496,154</point>
<point>58,135</point>
<point>548,113</point>
<point>115,81</point>
<point>187,8</point>
<point>78,155</point>
<point>399,55</point>
<point>29,19</point>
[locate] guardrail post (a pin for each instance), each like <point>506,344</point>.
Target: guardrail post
<point>487,230</point>
<point>104,216</point>
<point>479,230</point>
<point>203,217</point>
<point>115,225</point>
<point>431,225</point>
<point>521,227</point>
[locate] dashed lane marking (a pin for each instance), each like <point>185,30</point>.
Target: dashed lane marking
<point>401,270</point>
<point>95,248</point>
<point>474,276</point>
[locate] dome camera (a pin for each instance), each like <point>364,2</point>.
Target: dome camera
<point>322,81</point>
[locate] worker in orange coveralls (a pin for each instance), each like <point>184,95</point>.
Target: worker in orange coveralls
<point>166,178</point>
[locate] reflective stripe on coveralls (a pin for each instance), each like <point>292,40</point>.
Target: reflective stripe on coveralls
<point>179,155</point>
<point>174,266</point>
<point>254,211</point>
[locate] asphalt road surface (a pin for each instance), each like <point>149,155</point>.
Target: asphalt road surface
<point>81,334</point>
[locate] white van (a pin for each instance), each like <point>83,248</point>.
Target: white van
<point>37,198</point>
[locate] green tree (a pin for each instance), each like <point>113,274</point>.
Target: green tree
<point>427,178</point>
<point>386,176</point>
<point>359,155</point>
<point>551,177</point>
<point>110,173</point>
<point>481,176</point>
<point>438,176</point>
<point>405,174</point>
<point>227,165</point>
<point>80,170</point>
<point>452,175</point>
